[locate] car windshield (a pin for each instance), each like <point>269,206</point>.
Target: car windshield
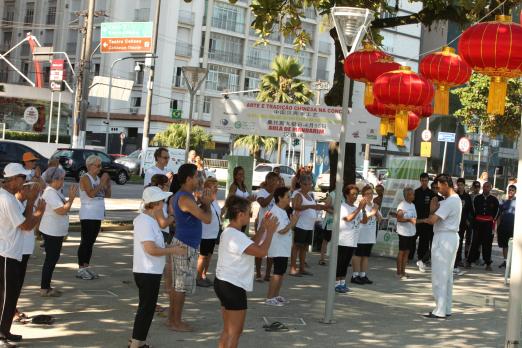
<point>263,168</point>
<point>63,153</point>
<point>135,154</point>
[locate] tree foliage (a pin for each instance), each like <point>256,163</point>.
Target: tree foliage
<point>474,98</point>
<point>255,143</point>
<point>176,134</point>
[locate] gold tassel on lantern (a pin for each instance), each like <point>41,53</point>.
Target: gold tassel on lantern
<point>385,126</point>
<point>401,127</point>
<point>368,94</point>
<point>391,126</point>
<point>441,106</point>
<point>497,95</point>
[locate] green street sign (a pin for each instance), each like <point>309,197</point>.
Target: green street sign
<point>110,30</point>
<point>176,114</point>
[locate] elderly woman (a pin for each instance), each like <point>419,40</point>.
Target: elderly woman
<point>93,191</point>
<point>54,225</point>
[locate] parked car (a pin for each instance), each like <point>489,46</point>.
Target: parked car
<point>261,170</point>
<point>323,181</point>
<point>11,151</point>
<point>132,162</point>
<point>73,161</point>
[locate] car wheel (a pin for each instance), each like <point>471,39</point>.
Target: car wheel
<point>122,178</point>
<point>81,172</point>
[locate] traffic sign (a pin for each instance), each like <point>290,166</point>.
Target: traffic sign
<point>446,137</point>
<point>123,135</point>
<point>57,86</point>
<point>464,145</point>
<point>134,37</point>
<point>425,150</point>
<point>31,115</point>
<point>426,135</point>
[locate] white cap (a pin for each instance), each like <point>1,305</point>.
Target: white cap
<point>154,194</point>
<point>14,169</point>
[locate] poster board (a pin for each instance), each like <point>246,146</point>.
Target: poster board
<point>247,162</point>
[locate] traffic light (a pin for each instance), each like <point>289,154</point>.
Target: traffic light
<point>296,142</point>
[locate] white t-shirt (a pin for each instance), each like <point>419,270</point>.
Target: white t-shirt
<point>211,230</point>
<point>233,265</point>
<point>11,216</point>
<point>54,224</point>
<point>449,213</point>
<point>407,229</point>
<point>92,208</point>
<point>149,173</point>
<point>368,231</point>
<point>146,229</point>
<point>349,231</point>
<point>307,217</point>
<point>281,245</point>
<point>262,193</point>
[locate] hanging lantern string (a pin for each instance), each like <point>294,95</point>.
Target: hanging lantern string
<point>369,34</point>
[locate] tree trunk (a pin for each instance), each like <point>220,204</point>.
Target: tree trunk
<point>334,97</point>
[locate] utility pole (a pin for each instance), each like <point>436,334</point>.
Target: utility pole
<point>150,84</point>
<point>81,96</point>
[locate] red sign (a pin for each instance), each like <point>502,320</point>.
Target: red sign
<point>129,44</point>
<point>464,145</point>
<point>57,70</point>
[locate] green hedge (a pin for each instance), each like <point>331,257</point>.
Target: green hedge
<point>30,136</point>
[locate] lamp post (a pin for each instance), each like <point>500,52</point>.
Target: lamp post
<point>318,86</point>
<point>194,77</point>
<point>350,24</point>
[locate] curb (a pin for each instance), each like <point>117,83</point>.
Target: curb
<point>107,226</point>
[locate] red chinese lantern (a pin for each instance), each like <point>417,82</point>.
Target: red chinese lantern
<point>385,113</point>
<point>356,64</point>
<point>494,49</point>
<point>413,121</point>
<point>404,91</point>
<point>425,110</point>
<point>445,69</point>
<point>376,69</point>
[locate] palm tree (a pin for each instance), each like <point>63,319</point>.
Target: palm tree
<point>282,85</point>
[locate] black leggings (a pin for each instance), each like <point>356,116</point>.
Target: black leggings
<point>90,230</point>
<point>23,269</point>
<point>344,256</point>
<point>53,247</point>
<point>9,292</point>
<point>148,287</point>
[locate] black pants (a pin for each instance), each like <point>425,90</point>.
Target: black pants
<point>468,237</point>
<point>9,292</point>
<point>148,287</point>
<point>23,269</point>
<point>462,235</point>
<point>90,230</point>
<point>482,236</point>
<point>53,248</point>
<point>344,256</point>
<point>425,233</point>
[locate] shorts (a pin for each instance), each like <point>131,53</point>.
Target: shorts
<point>206,247</point>
<point>302,237</point>
<point>280,265</point>
<point>363,250</point>
<point>184,269</point>
<point>167,237</point>
<point>232,297</point>
<point>503,236</point>
<point>406,243</point>
<point>326,235</point>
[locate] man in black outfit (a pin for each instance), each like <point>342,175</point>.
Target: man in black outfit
<point>486,210</point>
<point>467,212</point>
<point>423,196</point>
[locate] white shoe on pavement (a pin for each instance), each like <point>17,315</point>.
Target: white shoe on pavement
<point>84,274</point>
<point>273,302</point>
<point>422,266</point>
<point>92,272</point>
<point>282,299</point>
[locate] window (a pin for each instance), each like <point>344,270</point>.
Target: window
<point>97,69</point>
<point>178,78</point>
<point>47,72</point>
<point>261,57</point>
<point>176,104</point>
<point>139,75</point>
<point>228,17</point>
<point>136,101</point>
<point>29,13</point>
<point>206,105</point>
<point>263,168</point>
<point>225,48</point>
<point>8,37</point>
<point>51,14</point>
<point>105,159</point>
<point>221,78</point>
<point>9,11</point>
<point>133,133</point>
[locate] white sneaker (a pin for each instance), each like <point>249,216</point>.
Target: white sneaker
<point>84,274</point>
<point>273,302</point>
<point>422,266</point>
<point>282,299</point>
<point>92,272</point>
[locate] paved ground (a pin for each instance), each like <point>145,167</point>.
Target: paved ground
<point>100,313</point>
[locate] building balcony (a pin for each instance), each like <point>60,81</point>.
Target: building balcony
<point>179,82</point>
<point>51,19</point>
<point>322,74</point>
<point>234,26</point>
<point>186,17</point>
<point>225,56</point>
<point>260,63</point>
<point>325,47</point>
<point>71,48</point>
<point>183,49</point>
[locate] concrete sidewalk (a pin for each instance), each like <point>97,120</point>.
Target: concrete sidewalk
<point>100,313</point>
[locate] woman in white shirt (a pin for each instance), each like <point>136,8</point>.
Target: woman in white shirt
<point>209,235</point>
<point>367,238</point>
<point>406,220</point>
<point>148,261</point>
<point>93,191</point>
<point>351,217</point>
<point>235,266</point>
<point>281,246</point>
<point>54,225</point>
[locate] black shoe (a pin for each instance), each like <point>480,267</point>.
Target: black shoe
<point>13,338</point>
<point>365,280</point>
<point>502,265</point>
<point>357,280</point>
<point>5,344</point>
<point>433,316</point>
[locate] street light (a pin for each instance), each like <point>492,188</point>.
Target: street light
<point>194,77</point>
<point>350,24</point>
